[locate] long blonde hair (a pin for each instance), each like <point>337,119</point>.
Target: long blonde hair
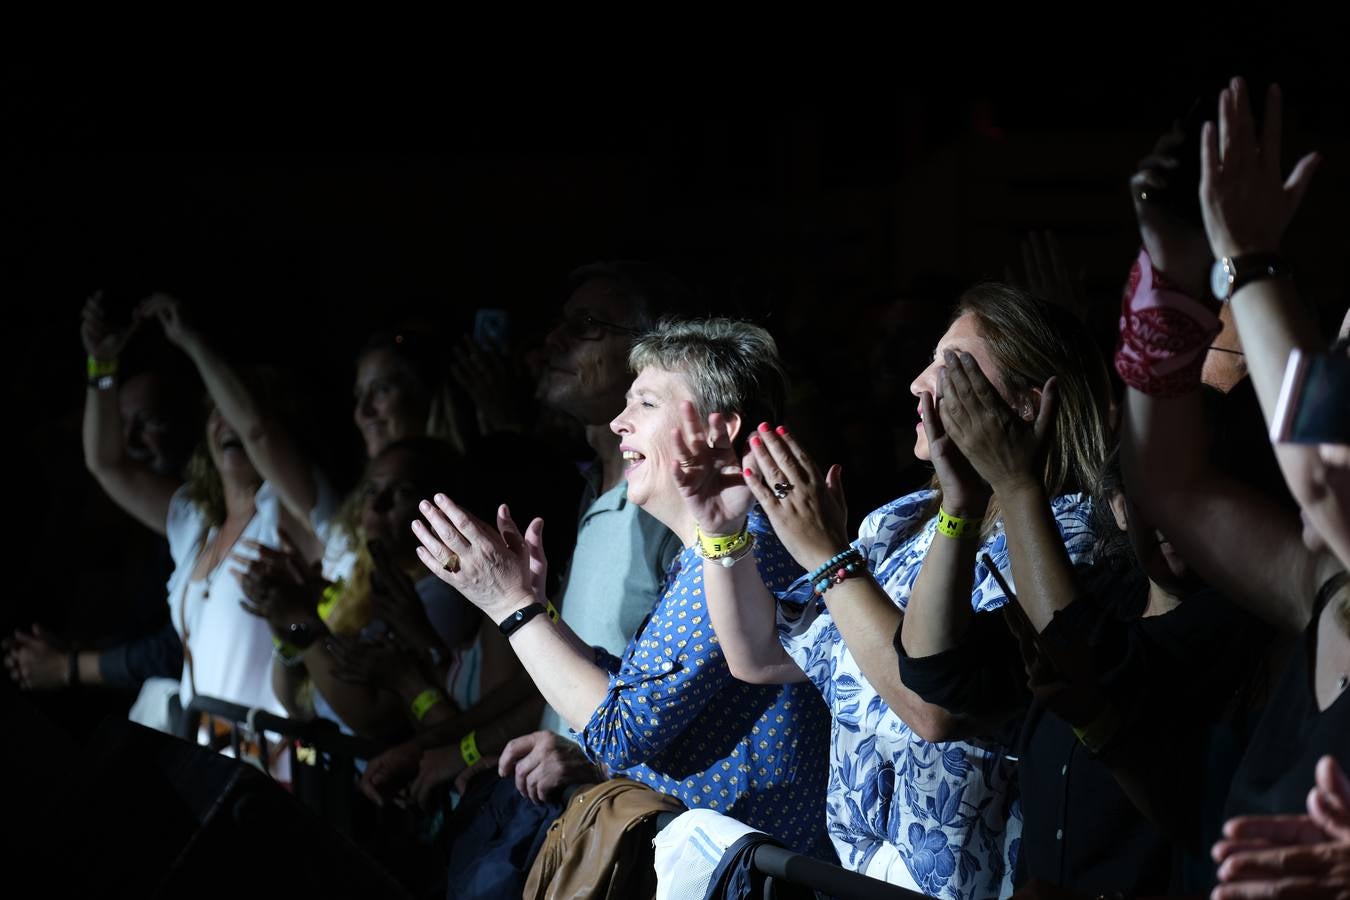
<point>1029,340</point>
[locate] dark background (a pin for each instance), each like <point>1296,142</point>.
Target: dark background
<point>299,208</point>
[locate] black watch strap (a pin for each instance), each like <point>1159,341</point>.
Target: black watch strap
<point>1256,266</point>
<point>511,623</point>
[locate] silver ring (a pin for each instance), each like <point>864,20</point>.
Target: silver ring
<point>782,488</point>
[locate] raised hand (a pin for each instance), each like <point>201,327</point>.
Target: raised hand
<point>1176,245</point>
<point>708,473</point>
<point>499,386</point>
<point>1004,449</point>
<point>964,493</point>
<point>474,558</point>
<point>169,311</point>
<point>102,340</point>
<point>807,511</point>
<point>1244,197</point>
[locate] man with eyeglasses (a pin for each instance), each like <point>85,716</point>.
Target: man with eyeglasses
<point>616,570</point>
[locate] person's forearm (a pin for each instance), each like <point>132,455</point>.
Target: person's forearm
<point>744,618</point>
<point>269,445</point>
<point>360,706</point>
<point>868,620</point>
<point>569,679</point>
<point>514,694</point>
<point>1040,564</point>
<point>938,610</point>
<point>102,431</point>
<point>1271,321</point>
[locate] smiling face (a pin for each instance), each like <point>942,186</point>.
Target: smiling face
<point>587,368</point>
<point>390,402</point>
<point>649,450</point>
<point>227,451</point>
<point>391,493</point>
<point>964,335</point>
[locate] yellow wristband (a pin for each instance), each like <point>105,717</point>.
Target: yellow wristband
<point>331,595</point>
<point>955,526</point>
<point>424,701</point>
<point>97,368</point>
<point>1100,731</point>
<point>468,748</point>
<point>715,546</point>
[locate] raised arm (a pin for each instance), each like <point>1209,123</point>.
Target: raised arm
<point>138,489</point>
<point>740,604</point>
<point>1247,204</point>
<point>267,441</point>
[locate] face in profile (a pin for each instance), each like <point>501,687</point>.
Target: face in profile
<point>391,493</point>
<point>964,334</point>
<point>645,430</point>
<point>227,451</point>
<point>390,401</point>
<point>587,368</point>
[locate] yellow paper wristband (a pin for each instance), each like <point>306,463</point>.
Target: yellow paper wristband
<point>97,368</point>
<point>715,546</point>
<point>331,595</point>
<point>468,748</point>
<point>955,526</point>
<point>424,701</point>
<point>1100,731</point>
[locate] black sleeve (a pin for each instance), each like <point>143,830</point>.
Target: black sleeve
<point>159,654</point>
<point>983,675</point>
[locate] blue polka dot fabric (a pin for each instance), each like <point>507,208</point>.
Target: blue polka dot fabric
<point>676,719</point>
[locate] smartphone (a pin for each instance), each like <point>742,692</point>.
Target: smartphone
<point>491,327</point>
<point>1314,402</point>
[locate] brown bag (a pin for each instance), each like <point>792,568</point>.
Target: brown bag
<point>601,846</point>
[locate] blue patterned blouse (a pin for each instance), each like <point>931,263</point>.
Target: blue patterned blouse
<point>676,719</point>
<point>947,809</point>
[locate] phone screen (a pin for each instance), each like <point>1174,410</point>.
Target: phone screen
<point>1314,404</point>
<point>491,328</point>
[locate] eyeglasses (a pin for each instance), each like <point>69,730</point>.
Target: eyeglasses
<point>1226,350</point>
<point>586,327</point>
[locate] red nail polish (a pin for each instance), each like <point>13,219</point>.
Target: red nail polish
<point>749,473</point>
<point>763,426</point>
<point>781,430</point>
<point>755,441</point>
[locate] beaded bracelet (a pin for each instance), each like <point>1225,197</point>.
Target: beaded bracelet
<point>841,566</point>
<point>954,526</point>
<point>468,748</point>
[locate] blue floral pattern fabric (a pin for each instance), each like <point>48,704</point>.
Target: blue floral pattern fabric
<point>948,809</point>
<point>676,719</point>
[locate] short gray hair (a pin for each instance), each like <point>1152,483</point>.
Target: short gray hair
<point>732,367</point>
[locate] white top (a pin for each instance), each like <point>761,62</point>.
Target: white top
<point>227,653</point>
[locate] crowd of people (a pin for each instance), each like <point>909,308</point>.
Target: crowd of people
<point>1102,653</point>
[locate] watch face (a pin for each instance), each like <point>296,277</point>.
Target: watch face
<point>1221,278</point>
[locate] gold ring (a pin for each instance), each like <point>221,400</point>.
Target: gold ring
<point>451,565</point>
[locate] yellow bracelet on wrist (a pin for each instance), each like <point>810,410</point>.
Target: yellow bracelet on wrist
<point>716,546</point>
<point>952,526</point>
<point>468,748</point>
<point>423,703</point>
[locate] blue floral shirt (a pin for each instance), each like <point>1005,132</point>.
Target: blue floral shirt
<point>948,809</point>
<point>676,719</point>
